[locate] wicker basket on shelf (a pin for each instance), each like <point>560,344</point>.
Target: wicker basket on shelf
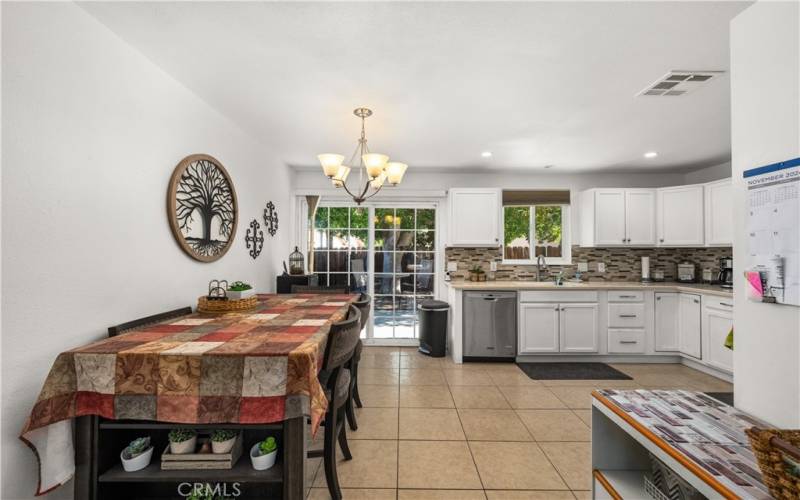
<point>226,306</point>
<point>778,455</point>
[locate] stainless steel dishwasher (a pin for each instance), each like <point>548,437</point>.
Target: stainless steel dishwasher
<point>490,324</point>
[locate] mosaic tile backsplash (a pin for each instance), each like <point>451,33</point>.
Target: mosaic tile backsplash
<point>622,264</point>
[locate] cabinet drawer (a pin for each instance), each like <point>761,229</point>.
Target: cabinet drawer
<point>557,296</point>
<point>623,296</point>
<point>626,315</point>
<point>719,303</point>
<point>625,341</point>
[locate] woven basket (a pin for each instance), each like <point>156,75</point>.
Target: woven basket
<point>225,306</point>
<point>774,457</point>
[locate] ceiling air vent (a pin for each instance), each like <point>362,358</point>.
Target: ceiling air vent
<point>678,82</point>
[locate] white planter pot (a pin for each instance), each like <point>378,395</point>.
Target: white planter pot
<point>262,462</point>
<point>183,447</point>
<point>241,295</point>
<point>223,446</point>
<point>138,462</point>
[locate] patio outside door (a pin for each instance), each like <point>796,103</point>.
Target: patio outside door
<point>386,251</point>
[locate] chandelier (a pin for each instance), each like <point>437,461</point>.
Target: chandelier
<point>374,169</point>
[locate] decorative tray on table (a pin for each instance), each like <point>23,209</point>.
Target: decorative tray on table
<point>204,304</point>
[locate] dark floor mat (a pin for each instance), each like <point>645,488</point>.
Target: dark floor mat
<point>725,397</point>
<point>572,371</point>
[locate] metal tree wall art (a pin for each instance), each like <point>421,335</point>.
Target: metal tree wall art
<point>254,237</point>
<point>202,207</point>
<point>271,219</point>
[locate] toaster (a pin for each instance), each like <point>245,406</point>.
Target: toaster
<point>686,272</point>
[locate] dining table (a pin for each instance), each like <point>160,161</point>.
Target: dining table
<point>239,370</point>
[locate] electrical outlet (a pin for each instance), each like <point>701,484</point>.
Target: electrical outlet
<point>583,266</point>
<point>452,266</point>
<point>601,267</point>
<point>493,265</point>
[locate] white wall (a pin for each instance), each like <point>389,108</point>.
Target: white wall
<point>708,174</point>
<point>91,133</point>
<point>765,85</point>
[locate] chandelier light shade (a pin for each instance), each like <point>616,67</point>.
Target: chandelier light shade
<point>374,169</point>
<point>395,171</point>
<point>330,163</point>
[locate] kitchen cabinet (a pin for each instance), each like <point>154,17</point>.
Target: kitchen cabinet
<point>680,219</point>
<point>538,328</point>
<point>578,327</point>
<point>474,217</point>
<point>716,323</point>
<point>667,324</point>
<point>618,217</point>
<point>718,213</point>
<point>689,326</point>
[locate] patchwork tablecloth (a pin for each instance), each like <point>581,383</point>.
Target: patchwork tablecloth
<point>250,367</point>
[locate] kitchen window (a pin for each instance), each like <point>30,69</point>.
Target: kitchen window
<point>536,223</point>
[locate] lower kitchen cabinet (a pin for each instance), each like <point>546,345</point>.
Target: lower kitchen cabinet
<point>717,322</point>
<point>538,328</point>
<point>689,326</point>
<point>667,324</point>
<point>551,327</point>
<point>578,327</point>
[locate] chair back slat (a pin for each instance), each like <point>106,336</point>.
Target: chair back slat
<point>342,340</point>
<point>364,304</point>
<point>319,289</point>
<point>113,331</point>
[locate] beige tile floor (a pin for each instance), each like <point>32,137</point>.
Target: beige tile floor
<point>434,430</point>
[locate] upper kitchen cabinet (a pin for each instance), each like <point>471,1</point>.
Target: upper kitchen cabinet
<point>474,217</point>
<point>618,217</point>
<point>680,216</point>
<point>719,213</point>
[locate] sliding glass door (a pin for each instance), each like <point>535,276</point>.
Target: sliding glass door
<point>388,252</point>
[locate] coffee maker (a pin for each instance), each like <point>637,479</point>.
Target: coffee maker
<point>725,272</point>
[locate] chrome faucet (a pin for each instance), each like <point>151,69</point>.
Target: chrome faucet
<point>541,265</point>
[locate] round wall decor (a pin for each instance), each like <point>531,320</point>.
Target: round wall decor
<point>271,219</point>
<point>202,208</point>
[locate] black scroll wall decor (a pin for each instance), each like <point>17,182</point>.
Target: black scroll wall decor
<point>254,237</point>
<point>271,219</point>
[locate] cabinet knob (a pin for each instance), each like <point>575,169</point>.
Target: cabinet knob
<point>658,298</point>
<point>623,240</point>
<point>661,240</point>
<point>556,309</point>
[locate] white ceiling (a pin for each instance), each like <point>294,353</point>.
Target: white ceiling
<point>535,83</point>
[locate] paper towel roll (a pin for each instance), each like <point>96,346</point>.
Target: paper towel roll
<point>646,268</point>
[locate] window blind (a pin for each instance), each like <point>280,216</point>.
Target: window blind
<point>536,197</point>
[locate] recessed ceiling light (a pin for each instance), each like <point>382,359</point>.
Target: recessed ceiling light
<point>486,154</point>
<point>650,154</point>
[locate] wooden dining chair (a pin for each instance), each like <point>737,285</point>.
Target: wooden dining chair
<point>318,289</point>
<point>342,340</point>
<point>363,304</point>
<point>113,331</point>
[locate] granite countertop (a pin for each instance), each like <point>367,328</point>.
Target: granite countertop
<point>665,286</point>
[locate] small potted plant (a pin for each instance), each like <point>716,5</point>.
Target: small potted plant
<point>263,454</point>
<point>240,290</point>
<point>222,440</point>
<point>182,441</point>
<point>137,455</point>
<point>476,273</point>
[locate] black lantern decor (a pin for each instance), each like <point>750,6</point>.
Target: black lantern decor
<point>296,262</point>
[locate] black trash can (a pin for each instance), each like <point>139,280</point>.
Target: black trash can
<point>433,327</point>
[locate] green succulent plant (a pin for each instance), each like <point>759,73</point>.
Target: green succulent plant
<point>267,446</point>
<point>221,435</point>
<point>180,435</point>
<point>477,269</point>
<point>136,448</point>
<point>239,286</point>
